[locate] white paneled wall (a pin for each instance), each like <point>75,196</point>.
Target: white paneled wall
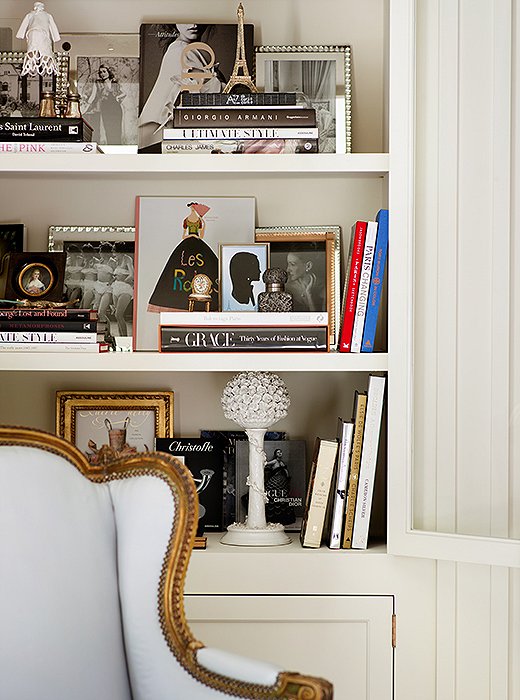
<point>467,329</point>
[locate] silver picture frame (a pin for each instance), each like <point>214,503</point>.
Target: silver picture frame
<point>321,75</point>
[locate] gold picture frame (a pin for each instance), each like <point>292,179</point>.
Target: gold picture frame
<point>108,425</point>
<point>320,291</point>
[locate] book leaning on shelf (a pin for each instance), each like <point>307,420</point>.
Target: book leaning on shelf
<point>318,490</point>
<point>344,437</point>
<point>360,404</point>
<point>367,469</point>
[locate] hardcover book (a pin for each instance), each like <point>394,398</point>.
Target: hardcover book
<point>229,439</point>
<point>365,276</point>
<point>204,457</point>
<point>241,146</point>
<point>367,469</point>
<point>237,133</point>
<point>40,314</point>
<point>169,66</point>
<point>360,405</point>
<point>44,129</point>
<point>355,258</point>
<point>284,481</point>
<point>249,99</point>
<point>262,116</point>
<point>244,318</point>
<point>318,491</point>
<point>376,282</point>
<point>242,339</point>
<point>344,437</point>
<point>48,147</point>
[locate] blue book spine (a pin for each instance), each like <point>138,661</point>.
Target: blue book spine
<point>376,282</point>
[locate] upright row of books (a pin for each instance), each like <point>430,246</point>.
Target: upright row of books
<point>241,123</point>
<point>52,330</point>
<point>341,484</point>
<point>364,284</point>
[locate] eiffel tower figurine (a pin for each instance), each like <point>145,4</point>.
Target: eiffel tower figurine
<point>240,60</point>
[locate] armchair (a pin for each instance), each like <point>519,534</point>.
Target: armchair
<point>92,574</point>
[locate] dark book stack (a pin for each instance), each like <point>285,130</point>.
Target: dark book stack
<point>51,330</point>
<point>241,123</point>
<point>45,135</point>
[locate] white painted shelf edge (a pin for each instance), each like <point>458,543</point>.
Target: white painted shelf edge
<point>354,163</point>
<point>192,362</point>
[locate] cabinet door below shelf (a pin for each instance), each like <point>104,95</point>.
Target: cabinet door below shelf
<point>346,639</point>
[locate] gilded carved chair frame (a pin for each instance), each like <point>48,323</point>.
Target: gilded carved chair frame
<point>178,636</point>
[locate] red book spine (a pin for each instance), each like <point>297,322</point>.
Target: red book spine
<point>356,258</point>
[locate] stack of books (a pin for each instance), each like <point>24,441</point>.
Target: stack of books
<point>241,123</point>
<point>243,331</point>
<point>45,135</point>
<point>51,330</point>
<point>341,485</point>
<point>363,284</point>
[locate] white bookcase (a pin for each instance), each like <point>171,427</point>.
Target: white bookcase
<point>323,611</point>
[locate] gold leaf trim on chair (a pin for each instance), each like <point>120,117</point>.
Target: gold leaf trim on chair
<point>178,636</point>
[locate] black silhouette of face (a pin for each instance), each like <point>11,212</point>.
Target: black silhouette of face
<point>244,268</point>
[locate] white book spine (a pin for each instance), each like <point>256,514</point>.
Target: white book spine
<point>47,337</point>
<point>364,286</point>
<point>367,470</point>
<point>47,147</point>
<point>200,134</point>
<point>242,318</point>
<point>52,347</point>
<point>341,485</point>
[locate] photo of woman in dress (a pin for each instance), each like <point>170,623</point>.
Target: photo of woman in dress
<point>191,256</point>
<point>109,88</point>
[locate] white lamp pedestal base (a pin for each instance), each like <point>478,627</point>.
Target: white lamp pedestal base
<point>270,536</point>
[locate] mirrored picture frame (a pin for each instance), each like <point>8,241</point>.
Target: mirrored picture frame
<point>321,75</point>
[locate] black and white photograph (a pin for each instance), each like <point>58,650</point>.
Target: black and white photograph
<point>99,273</point>
<point>169,65</point>
<point>311,257</point>
<point>321,76</point>
<point>241,269</point>
<point>12,239</point>
<point>284,481</point>
<point>19,95</point>
<point>109,93</point>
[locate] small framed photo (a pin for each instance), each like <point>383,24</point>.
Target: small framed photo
<point>99,273</point>
<point>20,94</point>
<point>106,70</point>
<point>241,269</point>
<point>35,276</point>
<point>322,75</point>
<point>311,257</point>
<point>107,425</point>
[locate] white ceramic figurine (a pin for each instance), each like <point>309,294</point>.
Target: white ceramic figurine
<point>40,30</point>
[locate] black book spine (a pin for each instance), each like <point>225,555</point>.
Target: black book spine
<point>35,324</point>
<point>253,99</point>
<point>40,129</point>
<point>243,339</point>
<point>263,116</point>
<point>43,315</point>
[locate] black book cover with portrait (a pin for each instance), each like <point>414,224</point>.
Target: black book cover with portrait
<point>284,481</point>
<point>167,66</point>
<point>228,440</point>
<point>205,460</point>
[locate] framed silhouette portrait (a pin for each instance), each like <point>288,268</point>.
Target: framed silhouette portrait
<point>240,273</point>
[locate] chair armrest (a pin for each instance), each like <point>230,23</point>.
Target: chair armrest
<point>238,667</point>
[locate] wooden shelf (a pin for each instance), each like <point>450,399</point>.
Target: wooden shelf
<point>354,163</point>
<point>192,362</point>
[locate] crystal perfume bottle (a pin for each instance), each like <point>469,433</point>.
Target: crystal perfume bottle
<point>275,298</point>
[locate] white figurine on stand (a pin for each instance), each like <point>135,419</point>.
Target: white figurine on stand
<point>40,30</point>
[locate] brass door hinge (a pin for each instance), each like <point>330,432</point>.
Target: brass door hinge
<point>394,636</point>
